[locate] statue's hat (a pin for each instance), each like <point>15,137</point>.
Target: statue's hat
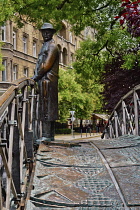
<point>48,26</point>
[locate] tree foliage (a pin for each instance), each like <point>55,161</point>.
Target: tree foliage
<point>88,68</point>
<point>80,13</point>
<point>98,14</point>
<point>118,81</point>
<point>130,17</point>
<point>75,94</point>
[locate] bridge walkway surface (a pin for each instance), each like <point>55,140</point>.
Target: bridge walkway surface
<point>86,174</point>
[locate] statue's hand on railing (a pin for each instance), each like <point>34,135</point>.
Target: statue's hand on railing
<point>34,78</point>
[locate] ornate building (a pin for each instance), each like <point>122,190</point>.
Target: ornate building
<point>20,48</point>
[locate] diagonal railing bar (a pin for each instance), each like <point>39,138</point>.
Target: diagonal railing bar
<point>129,119</point>
<point>111,130</point>
<point>17,107</point>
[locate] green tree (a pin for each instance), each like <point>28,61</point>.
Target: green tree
<point>69,93</point>
<point>89,68</point>
<point>75,94</point>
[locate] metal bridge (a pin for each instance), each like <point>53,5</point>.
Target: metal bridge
<point>80,174</point>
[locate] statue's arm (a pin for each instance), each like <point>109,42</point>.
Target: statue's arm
<point>52,53</point>
<point>50,57</point>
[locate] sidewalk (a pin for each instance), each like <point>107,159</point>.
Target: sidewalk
<point>77,136</point>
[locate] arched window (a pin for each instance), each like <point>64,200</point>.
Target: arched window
<point>65,56</point>
<point>70,37</point>
<point>14,40</point>
<point>24,44</point>
<point>62,32</point>
<point>4,72</point>
<point>3,33</point>
<point>34,48</point>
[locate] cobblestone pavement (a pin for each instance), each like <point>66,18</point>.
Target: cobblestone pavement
<point>84,175</point>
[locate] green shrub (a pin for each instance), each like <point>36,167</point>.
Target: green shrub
<point>63,131</point>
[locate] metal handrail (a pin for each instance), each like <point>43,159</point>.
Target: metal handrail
<point>16,140</point>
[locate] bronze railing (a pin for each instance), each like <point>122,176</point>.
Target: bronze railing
<point>125,118</point>
<point>18,121</point>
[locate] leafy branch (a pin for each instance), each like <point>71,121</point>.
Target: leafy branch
<point>106,47</point>
<point>62,4</point>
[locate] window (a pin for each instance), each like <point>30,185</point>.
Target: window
<point>64,56</point>
<point>14,72</point>
<point>70,37</point>
<point>4,62</point>
<point>75,43</point>
<point>24,44</point>
<point>34,48</point>
<point>62,32</point>
<point>25,72</point>
<point>3,33</point>
<point>71,57</point>
<point>14,40</point>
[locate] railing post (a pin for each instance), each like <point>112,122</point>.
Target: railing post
<point>16,154</point>
<point>22,151</point>
<point>124,118</point>
<point>10,151</point>
<point>110,129</point>
<point>28,136</point>
<point>116,124</point>
<point>136,113</point>
<point>31,109</point>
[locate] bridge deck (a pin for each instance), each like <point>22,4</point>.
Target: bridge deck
<point>84,175</point>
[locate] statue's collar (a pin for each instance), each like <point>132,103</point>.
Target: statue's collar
<point>51,40</point>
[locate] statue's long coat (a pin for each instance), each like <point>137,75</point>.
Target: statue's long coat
<point>47,76</point>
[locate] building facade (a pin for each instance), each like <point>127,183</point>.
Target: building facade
<point>20,48</point>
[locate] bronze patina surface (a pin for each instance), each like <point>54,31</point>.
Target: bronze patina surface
<point>46,76</point>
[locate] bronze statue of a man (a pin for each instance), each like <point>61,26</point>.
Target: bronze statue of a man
<point>46,74</point>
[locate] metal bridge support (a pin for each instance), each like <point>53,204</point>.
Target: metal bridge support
<point>125,117</point>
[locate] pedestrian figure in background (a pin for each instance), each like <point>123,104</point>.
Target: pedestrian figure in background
<point>98,127</point>
<point>46,74</point>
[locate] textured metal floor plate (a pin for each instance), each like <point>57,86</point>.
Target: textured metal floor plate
<point>72,178</point>
<point>124,141</point>
<point>124,160</point>
<point>129,182</point>
<point>76,177</point>
<point>123,156</point>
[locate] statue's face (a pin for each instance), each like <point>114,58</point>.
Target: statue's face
<point>47,34</point>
